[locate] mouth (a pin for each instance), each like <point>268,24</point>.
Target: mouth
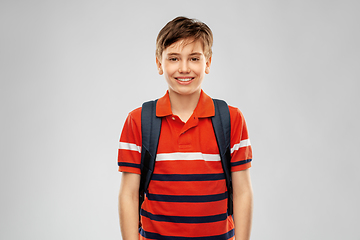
<point>184,79</point>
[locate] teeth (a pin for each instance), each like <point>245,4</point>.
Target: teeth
<point>184,79</point>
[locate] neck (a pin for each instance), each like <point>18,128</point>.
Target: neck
<point>184,105</point>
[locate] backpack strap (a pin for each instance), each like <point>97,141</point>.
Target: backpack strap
<point>222,128</point>
<point>150,128</point>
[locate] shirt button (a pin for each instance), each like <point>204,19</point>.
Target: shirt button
<point>173,118</point>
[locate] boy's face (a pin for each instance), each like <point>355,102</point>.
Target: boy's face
<point>184,66</point>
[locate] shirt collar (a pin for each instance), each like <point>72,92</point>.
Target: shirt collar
<point>205,107</point>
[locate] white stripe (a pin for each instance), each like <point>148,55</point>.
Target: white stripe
<point>187,156</point>
<point>129,146</point>
<point>243,143</point>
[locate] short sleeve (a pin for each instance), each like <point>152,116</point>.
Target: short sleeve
<point>129,154</point>
<point>241,152</point>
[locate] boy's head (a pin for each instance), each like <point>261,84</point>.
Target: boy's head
<point>184,28</point>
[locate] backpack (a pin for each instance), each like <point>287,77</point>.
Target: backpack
<point>150,127</point>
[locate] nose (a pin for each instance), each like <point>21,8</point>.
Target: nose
<point>184,67</point>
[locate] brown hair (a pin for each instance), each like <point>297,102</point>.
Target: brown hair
<point>184,28</point>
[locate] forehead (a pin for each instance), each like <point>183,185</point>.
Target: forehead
<point>185,45</point>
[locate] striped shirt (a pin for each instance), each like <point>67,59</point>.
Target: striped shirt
<point>187,195</point>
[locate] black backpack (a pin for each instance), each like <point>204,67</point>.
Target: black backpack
<point>150,128</point>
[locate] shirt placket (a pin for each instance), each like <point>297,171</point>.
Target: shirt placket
<point>186,137</point>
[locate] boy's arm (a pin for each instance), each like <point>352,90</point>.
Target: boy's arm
<point>129,206</point>
<point>243,203</point>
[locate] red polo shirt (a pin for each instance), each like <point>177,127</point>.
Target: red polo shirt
<point>187,196</point>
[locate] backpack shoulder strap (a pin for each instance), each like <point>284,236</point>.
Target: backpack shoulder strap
<point>222,128</point>
<point>150,130</point>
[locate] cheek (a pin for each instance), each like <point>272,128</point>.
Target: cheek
<point>200,70</point>
<point>170,69</point>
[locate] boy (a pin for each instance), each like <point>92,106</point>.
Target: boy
<point>187,196</point>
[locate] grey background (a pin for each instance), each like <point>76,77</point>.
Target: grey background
<point>71,71</point>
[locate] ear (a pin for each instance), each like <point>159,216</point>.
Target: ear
<point>208,63</point>
<point>159,67</point>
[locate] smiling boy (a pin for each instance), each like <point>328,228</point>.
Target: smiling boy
<point>187,196</point>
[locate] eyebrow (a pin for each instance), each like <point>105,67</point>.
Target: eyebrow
<point>191,54</point>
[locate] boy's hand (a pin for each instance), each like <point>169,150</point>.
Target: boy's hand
<point>129,206</point>
<point>243,203</point>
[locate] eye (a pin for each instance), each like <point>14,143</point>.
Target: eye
<point>173,59</point>
<point>194,59</point>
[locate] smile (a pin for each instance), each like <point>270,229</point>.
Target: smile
<point>184,79</point>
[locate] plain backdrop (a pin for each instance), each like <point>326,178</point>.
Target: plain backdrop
<point>72,70</point>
